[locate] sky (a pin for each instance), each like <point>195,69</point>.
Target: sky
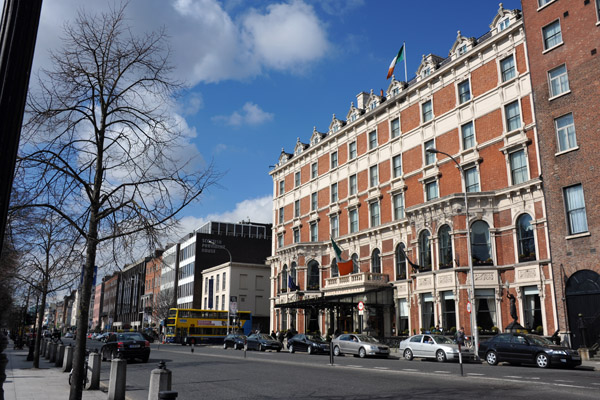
<point>261,74</point>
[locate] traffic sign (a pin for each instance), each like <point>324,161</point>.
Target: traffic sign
<point>469,307</point>
<point>361,306</point>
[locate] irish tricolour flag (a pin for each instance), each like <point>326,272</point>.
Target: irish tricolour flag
<point>399,57</point>
<point>344,266</point>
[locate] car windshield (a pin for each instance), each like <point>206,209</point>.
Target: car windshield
<point>539,340</point>
<point>439,339</point>
<point>315,338</point>
<point>365,338</point>
<point>129,336</point>
<point>265,336</point>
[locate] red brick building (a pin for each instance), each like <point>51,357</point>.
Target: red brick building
<point>562,44</point>
<point>370,183</point>
<point>151,295</point>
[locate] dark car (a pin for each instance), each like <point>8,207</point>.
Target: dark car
<point>262,342</point>
<point>309,343</point>
<point>520,348</point>
<point>128,345</point>
<point>234,340</point>
<point>148,337</point>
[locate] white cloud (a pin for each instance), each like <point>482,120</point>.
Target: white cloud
<point>192,104</point>
<point>256,210</point>
<point>251,114</point>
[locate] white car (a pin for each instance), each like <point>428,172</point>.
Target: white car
<point>359,345</point>
<point>431,346</point>
<point>68,335</point>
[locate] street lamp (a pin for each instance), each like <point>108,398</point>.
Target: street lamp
<point>474,330</point>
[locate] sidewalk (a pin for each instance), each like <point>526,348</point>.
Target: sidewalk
<point>46,383</point>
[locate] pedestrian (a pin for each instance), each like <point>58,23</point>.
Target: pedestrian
<point>280,336</point>
<point>459,337</point>
<point>273,335</point>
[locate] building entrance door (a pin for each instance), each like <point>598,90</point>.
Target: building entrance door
<point>583,308</point>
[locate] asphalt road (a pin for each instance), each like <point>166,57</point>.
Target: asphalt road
<point>213,373</point>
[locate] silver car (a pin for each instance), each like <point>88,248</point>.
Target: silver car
<point>359,345</point>
<point>430,346</point>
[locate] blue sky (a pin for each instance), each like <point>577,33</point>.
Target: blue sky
<point>263,73</point>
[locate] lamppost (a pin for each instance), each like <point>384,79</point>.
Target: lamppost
<point>474,329</point>
<point>220,246</point>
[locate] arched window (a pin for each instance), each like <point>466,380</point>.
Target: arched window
<point>313,276</point>
<point>334,268</point>
<point>292,273</point>
<point>445,247</point>
<point>526,242</point>
<point>284,279</point>
<point>400,262</point>
<point>355,266</point>
<point>424,251</point>
<point>481,249</point>
<point>376,261</point>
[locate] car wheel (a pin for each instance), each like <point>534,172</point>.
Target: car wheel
<point>408,354</point>
<point>309,350</point>
<point>336,351</point>
<point>146,358</point>
<point>225,346</point>
<point>278,349</point>
<point>291,348</point>
<point>362,353</point>
<point>491,357</point>
<point>440,356</point>
<point>542,360</point>
<point>260,347</point>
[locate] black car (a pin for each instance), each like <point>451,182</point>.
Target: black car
<point>234,340</point>
<point>309,343</point>
<point>262,342</point>
<point>520,348</point>
<point>128,345</point>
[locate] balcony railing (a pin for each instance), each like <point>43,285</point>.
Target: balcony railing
<point>355,283</point>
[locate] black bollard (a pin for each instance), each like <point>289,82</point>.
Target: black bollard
<point>167,394</point>
<point>31,348</point>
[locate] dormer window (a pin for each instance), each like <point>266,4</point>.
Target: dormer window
<point>373,105</point>
<point>462,49</point>
<point>426,72</point>
<point>314,141</point>
<point>335,128</point>
<point>353,117</point>
<point>503,24</point>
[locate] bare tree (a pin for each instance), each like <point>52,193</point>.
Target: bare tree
<point>164,302</point>
<point>100,128</point>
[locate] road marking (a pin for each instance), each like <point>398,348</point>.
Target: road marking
<point>534,378</point>
<point>572,386</point>
<point>442,372</point>
<point>410,369</point>
<point>474,374</point>
<point>562,380</point>
<point>597,384</point>
<point>513,376</point>
<point>381,368</point>
<point>354,366</point>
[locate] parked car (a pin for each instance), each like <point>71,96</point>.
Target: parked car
<point>127,345</point>
<point>68,335</point>
<point>102,336</point>
<point>310,343</point>
<point>234,340</point>
<point>520,348</point>
<point>262,342</point>
<point>359,345</point>
<point>148,337</point>
<point>431,346</point>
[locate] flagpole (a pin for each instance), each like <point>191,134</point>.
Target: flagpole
<point>405,75</point>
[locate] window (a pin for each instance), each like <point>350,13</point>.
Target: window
<point>352,150</point>
<point>448,309</point>
<point>224,280</point>
<point>507,68</point>
<point>559,80</point>
<point>334,160</point>
<point>525,239</point>
<point>472,180</point>
<point>297,179</point>
<point>373,176</point>
<point>335,227</point>
<point>280,240</point>
<point>296,208</point>
<point>355,264</point>
<point>424,251</point>
<point>485,304</point>
<point>296,235</point>
<point>575,207</point>
<point>598,9</point>
<point>353,217</point>
<point>376,261</point>
<point>281,216</point>
<point>565,131</point>
<point>397,165</point>
<point>403,317</point>
<point>426,111</point>
<point>398,201</point>
<point>281,187</point>
<point>552,35</point>
<point>444,247</point>
<point>431,190</point>
<point>314,172</point>
<point>429,157</point>
<point>462,49</point>
<point>372,140</point>
<point>353,185</point>
<point>313,201</point>
<point>313,275</point>
<point>468,135</point>
<point>427,318</point>
<point>464,92</point>
<point>314,232</point>
<point>513,116</point>
<point>373,105</point>
<point>334,268</point>
<point>518,167</point>
<point>334,193</point>
<point>395,128</point>
<point>543,2</point>
<point>503,24</point>
<point>374,210</point>
<point>532,310</point>
<point>481,249</point>
<point>400,259</point>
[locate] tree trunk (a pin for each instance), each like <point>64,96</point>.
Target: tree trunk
<point>38,336</point>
